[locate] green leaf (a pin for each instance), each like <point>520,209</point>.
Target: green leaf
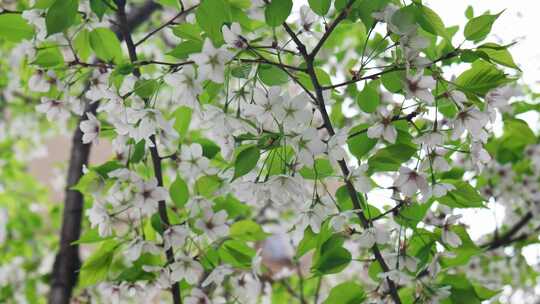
<point>241,70</point>
<point>469,12</point>
<point>320,7</point>
<point>272,75</point>
<point>498,54</point>
<point>348,292</point>
<point>81,44</point>
<point>106,45</point>
<point>247,230</point>
<point>391,157</point>
<point>359,143</point>
<point>211,15</point>
<point>277,12</point>
<point>96,267</point>
<point>206,185</point>
<point>430,21</point>
<point>138,152</point>
<point>99,7</point>
<point>236,253</point>
<point>233,206</point>
<point>368,99</point>
<point>462,290</point>
<point>479,27</point>
<point>14,28</point>
<point>393,81</point>
<point>322,169</point>
<point>481,77</point>
<point>179,192</point>
<point>182,120</point>
<point>464,196</point>
<point>61,15</point>
<point>49,57</point>
<point>91,236</point>
<point>365,9</point>
<point>246,160</point>
<point>516,134</point>
<point>146,88</point>
<point>331,257</point>
<point>185,48</point>
<point>188,31</point>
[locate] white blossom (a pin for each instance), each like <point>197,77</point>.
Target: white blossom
<point>90,128</point>
<point>383,128</point>
<point>213,224</point>
<point>211,61</point>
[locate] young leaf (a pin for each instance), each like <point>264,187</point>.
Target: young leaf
<point>277,12</point>
<point>368,99</point>
<point>348,292</point>
<point>14,28</point>
<point>498,54</point>
<point>179,192</point>
<point>391,157</point>
<point>479,27</point>
<point>61,15</point>
<point>430,21</point>
<point>320,7</point>
<point>246,160</point>
<point>359,143</point>
<point>105,44</point>
<point>272,75</point>
<point>480,78</point>
<point>211,15</point>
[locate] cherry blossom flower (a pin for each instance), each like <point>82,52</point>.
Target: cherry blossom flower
<point>38,82</point>
<point>186,85</point>
<point>233,36</point>
<point>186,268</point>
<point>139,246</point>
<point>218,275</point>
<point>147,196</point>
<point>90,128</point>
<point>99,217</point>
<point>410,181</point>
<point>419,85</point>
<point>213,224</point>
<point>308,146</point>
<point>197,296</point>
<point>211,61</point>
<point>335,149</point>
<point>448,236</point>
<point>371,236</point>
<point>473,121</point>
<point>54,108</point>
<point>383,128</point>
<point>192,163</point>
<point>175,236</point>
<point>360,180</point>
<point>292,112</point>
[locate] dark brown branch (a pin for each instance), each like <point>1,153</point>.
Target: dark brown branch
<point>342,164</point>
<point>67,262</point>
<point>393,69</point>
<point>508,237</point>
<point>156,160</point>
<point>169,22</point>
<point>344,13</point>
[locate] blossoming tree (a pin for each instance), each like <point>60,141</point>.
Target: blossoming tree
<point>263,156</point>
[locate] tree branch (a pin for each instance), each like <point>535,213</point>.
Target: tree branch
<point>67,261</point>
<point>342,164</point>
<point>507,238</point>
<point>156,160</point>
<point>344,13</point>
